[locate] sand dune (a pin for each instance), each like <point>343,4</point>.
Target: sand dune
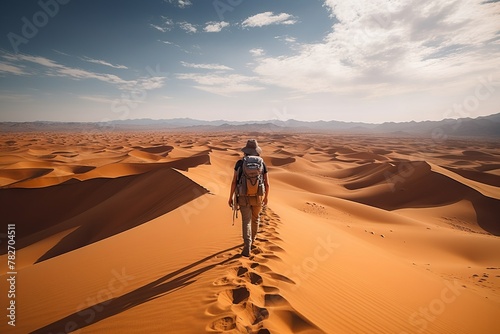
<point>131,233</point>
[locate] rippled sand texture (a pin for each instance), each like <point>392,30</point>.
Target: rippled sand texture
<point>130,232</point>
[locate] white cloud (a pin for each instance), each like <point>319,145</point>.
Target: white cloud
<point>287,39</point>
<point>148,83</point>
<point>268,18</point>
<point>102,62</point>
<point>221,84</point>
<point>11,69</point>
<point>215,26</point>
<point>61,53</point>
<point>162,29</point>
<point>257,52</point>
<point>175,45</point>
<point>180,3</point>
<point>207,66</point>
<point>383,48</point>
<point>55,69</point>
<point>167,42</point>
<point>37,60</point>
<point>97,98</point>
<point>167,25</point>
<point>188,27</point>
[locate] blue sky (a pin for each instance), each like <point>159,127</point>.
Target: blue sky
<point>359,60</point>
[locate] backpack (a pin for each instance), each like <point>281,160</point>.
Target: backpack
<point>251,179</point>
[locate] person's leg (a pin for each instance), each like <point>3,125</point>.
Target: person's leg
<point>246,223</point>
<point>255,220</point>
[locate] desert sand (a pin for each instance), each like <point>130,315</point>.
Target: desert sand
<point>130,232</point>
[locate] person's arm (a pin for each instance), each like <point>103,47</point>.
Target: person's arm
<point>266,187</point>
<point>233,188</point>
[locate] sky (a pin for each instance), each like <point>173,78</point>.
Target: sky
<point>356,61</point>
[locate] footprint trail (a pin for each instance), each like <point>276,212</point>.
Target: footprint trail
<point>248,298</point>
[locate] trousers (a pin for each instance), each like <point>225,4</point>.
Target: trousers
<point>250,208</point>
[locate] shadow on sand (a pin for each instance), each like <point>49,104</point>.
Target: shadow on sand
<point>151,291</point>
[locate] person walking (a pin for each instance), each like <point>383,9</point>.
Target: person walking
<point>251,185</point>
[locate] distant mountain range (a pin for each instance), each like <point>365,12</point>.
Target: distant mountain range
<point>487,126</point>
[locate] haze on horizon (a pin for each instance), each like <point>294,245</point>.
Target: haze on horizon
<point>354,61</point>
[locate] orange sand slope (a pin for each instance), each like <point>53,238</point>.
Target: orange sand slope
<point>131,233</point>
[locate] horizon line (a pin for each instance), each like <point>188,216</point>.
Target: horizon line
<point>244,121</point>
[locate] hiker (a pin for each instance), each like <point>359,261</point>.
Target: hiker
<point>251,184</point>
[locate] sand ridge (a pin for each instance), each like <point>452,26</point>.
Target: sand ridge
<point>363,234</point>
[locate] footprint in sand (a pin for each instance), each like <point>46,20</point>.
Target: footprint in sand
<point>222,281</point>
<point>224,324</point>
<point>249,276</point>
<point>252,295</point>
<point>274,300</point>
<point>274,248</point>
